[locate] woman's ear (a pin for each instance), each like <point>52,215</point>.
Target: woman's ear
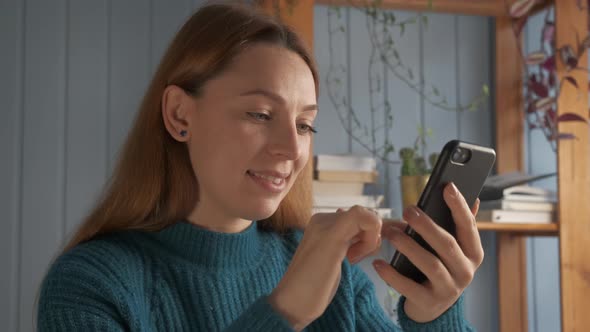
<point>176,112</point>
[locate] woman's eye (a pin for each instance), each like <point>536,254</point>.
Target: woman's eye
<point>259,116</point>
<point>302,127</point>
<point>305,128</point>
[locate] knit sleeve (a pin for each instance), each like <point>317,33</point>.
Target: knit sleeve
<point>76,296</point>
<point>368,312</point>
<point>260,316</point>
<point>370,315</point>
<point>451,320</point>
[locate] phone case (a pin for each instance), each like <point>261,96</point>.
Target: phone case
<point>469,178</point>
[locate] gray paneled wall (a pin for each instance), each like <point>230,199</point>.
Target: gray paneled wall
<point>75,71</point>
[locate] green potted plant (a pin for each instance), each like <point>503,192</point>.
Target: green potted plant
<point>414,173</point>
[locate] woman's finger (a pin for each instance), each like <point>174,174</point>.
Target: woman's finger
<point>475,207</point>
<point>423,259</point>
<point>365,225</point>
<point>405,286</point>
<point>398,224</point>
<point>387,223</point>
<point>357,252</point>
<point>443,243</point>
<point>466,228</point>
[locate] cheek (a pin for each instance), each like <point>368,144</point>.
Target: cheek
<point>224,151</point>
<point>303,159</point>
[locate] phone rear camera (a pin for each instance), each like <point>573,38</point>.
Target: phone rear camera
<point>461,155</point>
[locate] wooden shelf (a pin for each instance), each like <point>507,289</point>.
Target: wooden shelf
<point>523,229</point>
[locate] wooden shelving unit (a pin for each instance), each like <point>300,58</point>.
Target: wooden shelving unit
<point>573,229</point>
<point>524,229</point>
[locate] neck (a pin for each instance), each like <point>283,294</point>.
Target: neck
<point>207,217</point>
<point>212,249</point>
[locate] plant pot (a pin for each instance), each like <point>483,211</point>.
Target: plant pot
<point>412,186</point>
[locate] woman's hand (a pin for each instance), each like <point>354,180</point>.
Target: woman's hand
<point>313,275</point>
<point>449,275</point>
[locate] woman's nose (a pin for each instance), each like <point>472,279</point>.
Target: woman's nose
<point>286,142</point>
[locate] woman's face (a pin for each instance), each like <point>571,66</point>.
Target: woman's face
<point>250,133</point>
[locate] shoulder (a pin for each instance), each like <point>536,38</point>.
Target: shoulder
<point>93,284</point>
<point>108,254</point>
<point>100,268</point>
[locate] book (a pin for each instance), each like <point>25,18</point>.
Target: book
<point>507,216</point>
<point>518,205</point>
<point>369,201</point>
<point>528,193</point>
<point>337,188</point>
<point>496,184</point>
<point>344,162</point>
<point>383,212</point>
<point>346,176</point>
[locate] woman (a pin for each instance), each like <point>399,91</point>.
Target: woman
<point>200,227</point>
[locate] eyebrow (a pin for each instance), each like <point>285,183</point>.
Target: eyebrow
<point>275,97</point>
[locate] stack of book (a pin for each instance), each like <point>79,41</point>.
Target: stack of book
<point>520,204</point>
<point>339,182</point>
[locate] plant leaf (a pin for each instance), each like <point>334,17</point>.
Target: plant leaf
<point>521,8</point>
<point>544,103</point>
<point>568,117</point>
<point>551,80</point>
<point>568,57</point>
<point>549,32</point>
<point>549,64</point>
<point>519,24</point>
<point>571,80</point>
<point>530,108</point>
<point>539,89</point>
<point>566,136</point>
<point>535,58</point>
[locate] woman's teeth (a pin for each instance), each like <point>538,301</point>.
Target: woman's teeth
<point>272,179</point>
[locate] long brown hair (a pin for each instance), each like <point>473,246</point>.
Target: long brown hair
<point>153,184</point>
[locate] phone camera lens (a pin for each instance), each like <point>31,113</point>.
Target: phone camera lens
<point>461,156</point>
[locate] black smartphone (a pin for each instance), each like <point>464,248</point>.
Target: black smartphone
<point>467,166</point>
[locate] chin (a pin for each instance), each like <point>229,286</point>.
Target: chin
<point>260,212</point>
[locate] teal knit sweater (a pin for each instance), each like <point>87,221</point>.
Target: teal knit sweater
<point>185,278</point>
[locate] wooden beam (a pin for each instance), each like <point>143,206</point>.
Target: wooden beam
<point>509,100</point>
<point>574,175</point>
<point>512,286</point>
<point>468,7</point>
<point>512,295</point>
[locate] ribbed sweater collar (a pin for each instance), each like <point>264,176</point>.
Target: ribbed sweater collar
<point>213,249</point>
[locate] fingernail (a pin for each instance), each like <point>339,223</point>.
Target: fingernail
<point>394,231</point>
<point>454,190</point>
<point>379,264</point>
<point>393,228</point>
<point>411,212</point>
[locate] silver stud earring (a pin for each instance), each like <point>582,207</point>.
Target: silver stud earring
<point>183,133</point>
